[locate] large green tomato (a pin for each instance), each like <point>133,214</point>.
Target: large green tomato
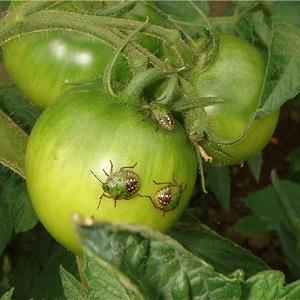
<point>44,64</point>
<point>236,78</point>
<point>82,132</point>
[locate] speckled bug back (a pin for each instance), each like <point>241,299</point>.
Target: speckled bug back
<point>168,197</point>
<point>122,184</point>
<point>161,115</point>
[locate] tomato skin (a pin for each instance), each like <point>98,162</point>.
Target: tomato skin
<point>236,76</point>
<point>83,131</point>
<point>44,64</point>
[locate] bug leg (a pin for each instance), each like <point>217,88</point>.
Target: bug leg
<point>160,183</point>
<point>103,195</point>
<point>175,180</point>
<point>164,213</point>
<point>130,167</point>
<point>96,176</point>
<point>151,200</point>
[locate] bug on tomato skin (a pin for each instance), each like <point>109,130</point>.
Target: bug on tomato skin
<point>122,184</point>
<point>162,116</point>
<point>168,197</point>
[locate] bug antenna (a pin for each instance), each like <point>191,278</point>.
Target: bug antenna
<point>97,177</point>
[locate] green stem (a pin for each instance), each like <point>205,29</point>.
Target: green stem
<point>168,93</point>
<point>54,20</point>
<point>111,63</point>
<point>117,9</point>
<point>13,141</point>
<point>133,91</point>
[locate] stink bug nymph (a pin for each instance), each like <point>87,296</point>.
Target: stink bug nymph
<point>122,184</point>
<point>167,197</point>
<point>162,116</point>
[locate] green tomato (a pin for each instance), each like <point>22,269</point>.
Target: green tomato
<point>45,64</point>
<point>236,78</point>
<point>74,141</point>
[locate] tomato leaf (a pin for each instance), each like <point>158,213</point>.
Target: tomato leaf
<point>7,295</point>
<point>106,282</point>
<point>218,179</point>
<point>73,289</point>
<point>223,254</point>
<point>282,81</point>
<point>270,285</point>
<point>158,264</point>
<point>13,142</point>
<point>266,207</point>
<point>255,164</point>
<point>13,103</point>
<point>15,209</point>
<point>251,225</point>
<point>284,11</point>
<point>36,268</point>
<point>288,193</point>
<point>183,10</point>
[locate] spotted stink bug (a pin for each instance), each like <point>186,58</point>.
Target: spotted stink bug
<point>122,184</point>
<point>167,197</point>
<point>161,115</point>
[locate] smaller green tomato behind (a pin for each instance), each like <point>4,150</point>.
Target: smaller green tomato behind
<point>123,184</point>
<point>167,198</point>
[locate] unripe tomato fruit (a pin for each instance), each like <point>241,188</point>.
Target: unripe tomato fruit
<point>236,76</point>
<point>82,132</point>
<point>43,65</point>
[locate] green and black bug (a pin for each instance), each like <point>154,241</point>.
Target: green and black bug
<point>162,116</point>
<point>168,197</point>
<point>122,184</point>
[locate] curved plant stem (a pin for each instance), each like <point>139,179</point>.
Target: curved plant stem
<point>111,63</point>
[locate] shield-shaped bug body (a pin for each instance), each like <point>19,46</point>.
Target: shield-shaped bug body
<point>162,116</point>
<point>122,184</point>
<point>167,198</point>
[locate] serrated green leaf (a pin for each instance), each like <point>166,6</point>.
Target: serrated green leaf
<point>251,225</point>
<point>269,285</point>
<point>13,142</point>
<point>282,80</point>
<point>218,179</point>
<point>7,295</point>
<point>18,108</point>
<point>288,192</point>
<point>36,273</point>
<point>290,249</point>
<point>265,204</point>
<point>73,289</point>
<point>255,164</point>
<point>223,254</point>
<point>160,266</point>
<point>284,11</point>
<point>15,209</point>
<point>183,10</point>
<point>106,282</point>
<point>294,168</point>
<point>261,28</point>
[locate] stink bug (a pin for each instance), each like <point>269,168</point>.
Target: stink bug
<point>122,184</point>
<point>161,115</point>
<point>167,197</point>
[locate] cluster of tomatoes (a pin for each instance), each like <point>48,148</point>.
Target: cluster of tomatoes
<point>87,128</point>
